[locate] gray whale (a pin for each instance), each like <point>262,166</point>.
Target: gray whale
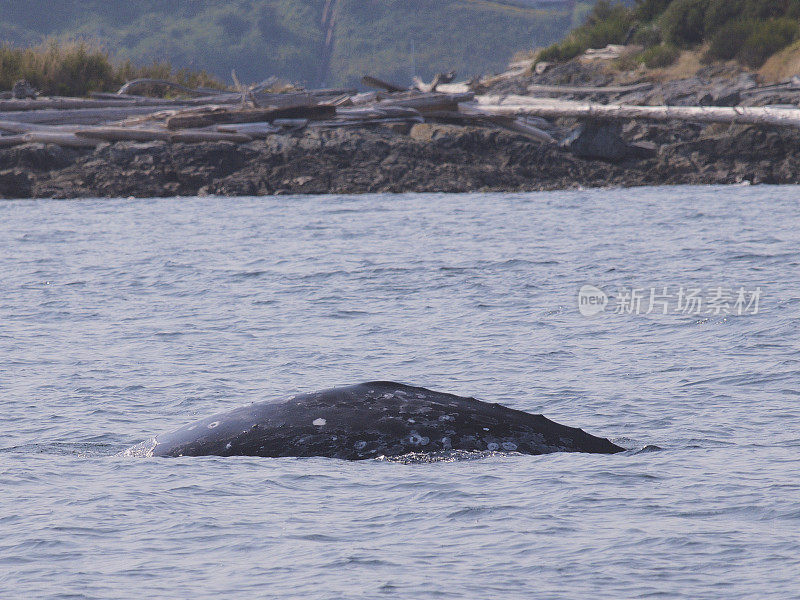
<point>373,419</point>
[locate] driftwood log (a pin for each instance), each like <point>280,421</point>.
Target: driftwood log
<point>577,89</point>
<point>140,83</point>
<point>80,116</point>
<point>427,102</point>
<point>206,118</point>
<point>550,108</point>
<point>79,122</point>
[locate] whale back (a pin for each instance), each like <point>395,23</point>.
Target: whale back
<point>372,419</point>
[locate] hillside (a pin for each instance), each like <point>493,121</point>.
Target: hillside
<point>319,42</point>
<point>747,31</point>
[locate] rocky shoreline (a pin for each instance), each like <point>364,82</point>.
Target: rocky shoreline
<point>432,158</point>
<point>424,157</point>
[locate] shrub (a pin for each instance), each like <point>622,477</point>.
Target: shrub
<point>562,51</point>
<point>766,39</point>
<point>648,37</point>
<point>684,22</point>
<point>75,68</point>
<point>647,10</point>
<point>752,42</point>
<point>793,9</point>
<point>659,56</point>
<point>729,39</point>
<point>607,24</point>
<point>763,9</point>
<point>721,12</point>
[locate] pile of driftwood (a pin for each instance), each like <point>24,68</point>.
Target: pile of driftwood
<point>254,113</point>
<point>240,117</point>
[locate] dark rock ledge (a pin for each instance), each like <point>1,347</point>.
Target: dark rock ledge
<point>428,158</point>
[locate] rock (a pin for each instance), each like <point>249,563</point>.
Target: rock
<point>22,90</point>
<point>15,183</point>
<point>597,140</point>
<point>435,158</point>
<point>642,150</point>
<point>38,157</point>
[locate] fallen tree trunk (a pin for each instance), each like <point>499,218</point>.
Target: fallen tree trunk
<point>109,101</point>
<point>201,118</point>
<point>428,102</point>
<point>254,130</point>
<point>138,83</point>
<point>577,89</point>
<point>750,115</point>
<point>17,127</point>
<point>80,116</point>
<point>477,119</point>
<point>370,112</point>
<point>12,140</point>
<point>73,103</point>
<point>364,123</point>
<point>518,125</point>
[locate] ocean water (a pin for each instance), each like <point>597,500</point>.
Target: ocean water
<point>120,319</point>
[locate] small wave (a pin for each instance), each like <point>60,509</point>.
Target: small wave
<point>249,274</point>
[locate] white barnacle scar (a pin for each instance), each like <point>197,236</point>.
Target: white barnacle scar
<point>319,422</point>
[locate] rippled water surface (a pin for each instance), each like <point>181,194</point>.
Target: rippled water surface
<point>121,319</point>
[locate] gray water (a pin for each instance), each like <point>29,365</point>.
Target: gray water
<point>125,318</point>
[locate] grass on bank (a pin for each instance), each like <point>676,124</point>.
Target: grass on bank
<point>76,68</point>
<point>748,31</point>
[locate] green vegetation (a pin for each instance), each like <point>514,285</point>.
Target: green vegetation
<point>291,39</point>
<point>607,24</point>
<point>77,68</point>
<point>753,42</point>
<point>749,31</point>
<point>659,56</point>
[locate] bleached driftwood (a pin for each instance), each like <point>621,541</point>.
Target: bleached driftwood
<point>579,89</point>
<point>467,117</point>
<point>73,103</point>
<point>254,130</point>
<point>17,127</point>
<point>462,87</point>
<point>12,140</point>
<point>550,108</point>
<point>364,123</point>
<point>519,125</point>
<point>428,102</point>
<point>291,124</point>
<point>138,83</point>
<point>79,116</point>
<point>438,79</point>
<point>374,112</point>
